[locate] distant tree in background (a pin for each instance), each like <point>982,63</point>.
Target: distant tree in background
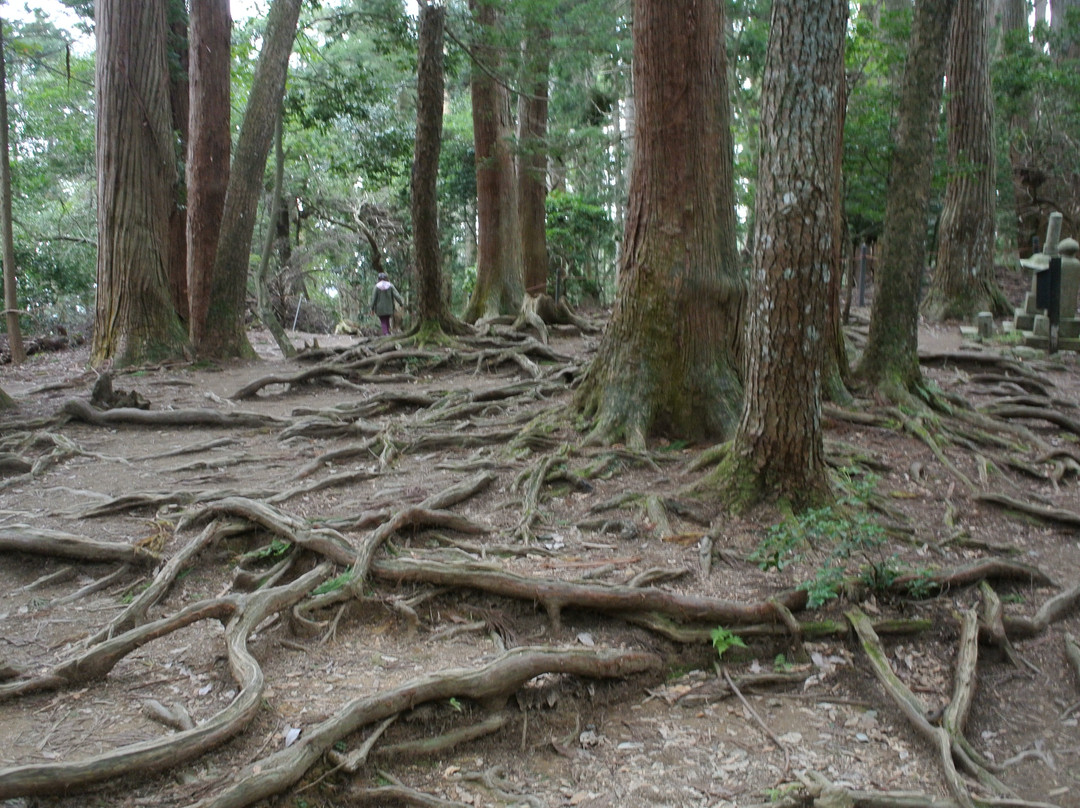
<point>963,281</point>
<point>499,281</point>
<point>890,361</point>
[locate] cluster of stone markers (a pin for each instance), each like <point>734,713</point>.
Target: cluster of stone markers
<point>1048,317</point>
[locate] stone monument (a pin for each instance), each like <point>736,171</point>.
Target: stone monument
<point>1037,323</point>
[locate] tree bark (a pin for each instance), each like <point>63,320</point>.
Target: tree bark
<point>135,320</point>
<point>532,159</point>
<point>891,358</point>
<point>225,335</point>
<point>11,296</point>
<point>262,277</point>
<point>499,284</point>
<point>425,169</point>
<point>778,448</point>
<point>963,280</point>
<point>179,104</point>
<point>668,363</point>
<point>208,152</point>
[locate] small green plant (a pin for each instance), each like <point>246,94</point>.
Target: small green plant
<point>832,535</point>
<point>1013,597</point>
<point>723,639</point>
<point>334,584</point>
<point>455,704</point>
<point>341,747</point>
<point>275,549</point>
<point>922,585</point>
<point>781,664</point>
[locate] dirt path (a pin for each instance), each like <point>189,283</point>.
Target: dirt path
<point>675,737</point>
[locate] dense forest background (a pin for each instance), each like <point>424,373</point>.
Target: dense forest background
<point>349,122</point>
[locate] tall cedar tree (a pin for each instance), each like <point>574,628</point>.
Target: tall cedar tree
<point>963,279</point>
<point>499,284</point>
<point>135,320</point>
<point>179,103</point>
<point>224,334</point>
<point>431,304</point>
<point>11,300</point>
<point>668,362</point>
<point>891,359</point>
<point>778,448</point>
<point>532,160</point>
<point>208,151</point>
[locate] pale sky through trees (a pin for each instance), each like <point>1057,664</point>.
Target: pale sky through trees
<point>65,18</point>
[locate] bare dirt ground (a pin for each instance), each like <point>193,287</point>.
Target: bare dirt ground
<point>347,464</point>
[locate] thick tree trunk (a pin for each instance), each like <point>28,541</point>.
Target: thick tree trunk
<point>499,284</point>
<point>778,448</point>
<point>532,161</point>
<point>135,320</point>
<point>668,363</point>
<point>891,358</point>
<point>208,151</point>
<point>11,297</point>
<point>225,335</point>
<point>963,280</point>
<point>425,169</point>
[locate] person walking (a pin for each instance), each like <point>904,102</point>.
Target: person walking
<point>382,301</point>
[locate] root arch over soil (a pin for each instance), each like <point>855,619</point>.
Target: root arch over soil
<point>434,494</point>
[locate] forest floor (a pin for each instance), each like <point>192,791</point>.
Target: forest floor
<point>486,525</point>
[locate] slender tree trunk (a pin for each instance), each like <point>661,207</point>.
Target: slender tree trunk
<point>778,448</point>
<point>963,280</point>
<point>425,168</point>
<point>668,362</point>
<point>11,296</point>
<point>135,320</point>
<point>208,151</point>
<point>532,160</point>
<point>891,359</point>
<point>262,283</point>
<point>499,283</point>
<point>225,335</point>
<point>179,103</point>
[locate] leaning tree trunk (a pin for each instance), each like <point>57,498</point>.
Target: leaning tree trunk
<point>134,320</point>
<point>208,152</point>
<point>891,359</point>
<point>225,334</point>
<point>532,160</point>
<point>778,448</point>
<point>499,284</point>
<point>963,280</point>
<point>668,363</point>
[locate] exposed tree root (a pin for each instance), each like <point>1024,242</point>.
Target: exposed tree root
<point>81,410</point>
<point>134,613</point>
<point>168,751</point>
<point>555,595</point>
<point>42,541</point>
<point>99,660</point>
<point>1058,516</point>
<point>488,685</point>
<point>916,713</point>
<point>993,569</point>
<point>1054,609</point>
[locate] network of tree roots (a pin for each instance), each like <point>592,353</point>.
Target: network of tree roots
<point>443,495</point>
